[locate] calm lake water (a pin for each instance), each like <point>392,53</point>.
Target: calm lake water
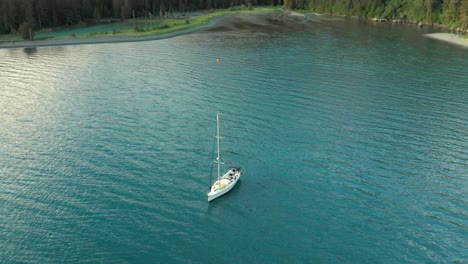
<point>353,139</point>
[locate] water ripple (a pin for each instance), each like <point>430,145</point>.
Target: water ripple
<point>349,155</point>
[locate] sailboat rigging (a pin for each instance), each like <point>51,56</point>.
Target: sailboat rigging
<point>226,182</point>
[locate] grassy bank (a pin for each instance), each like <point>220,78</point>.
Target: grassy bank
<point>147,27</point>
<point>173,25</point>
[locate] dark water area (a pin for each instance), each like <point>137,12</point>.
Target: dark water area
<point>353,139</point>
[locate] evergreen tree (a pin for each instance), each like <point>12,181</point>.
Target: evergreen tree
<point>29,13</point>
<point>86,9</point>
<point>464,14</point>
<point>452,12</point>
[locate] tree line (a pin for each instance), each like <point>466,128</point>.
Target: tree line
<point>38,14</point>
<point>53,13</point>
<point>453,13</point>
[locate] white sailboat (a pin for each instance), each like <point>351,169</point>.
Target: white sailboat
<point>226,182</point>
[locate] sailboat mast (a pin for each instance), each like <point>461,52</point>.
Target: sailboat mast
<point>219,160</point>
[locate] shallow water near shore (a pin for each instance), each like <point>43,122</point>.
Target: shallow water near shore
<point>352,138</point>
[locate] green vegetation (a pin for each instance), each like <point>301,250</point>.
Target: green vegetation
<point>453,13</point>
<point>41,14</point>
<point>162,26</point>
<point>171,25</point>
<point>24,17</point>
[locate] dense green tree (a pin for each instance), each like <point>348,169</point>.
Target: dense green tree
<point>3,17</point>
<point>116,8</point>
<point>42,14</point>
<point>86,9</point>
<point>126,10</point>
<point>29,12</point>
<point>449,12</point>
<point>464,13</point>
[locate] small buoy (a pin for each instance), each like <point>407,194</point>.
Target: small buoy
<point>218,59</point>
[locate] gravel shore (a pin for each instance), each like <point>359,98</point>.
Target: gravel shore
<point>276,20</point>
<point>450,38</point>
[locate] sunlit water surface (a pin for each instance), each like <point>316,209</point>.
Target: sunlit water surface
<point>353,139</point>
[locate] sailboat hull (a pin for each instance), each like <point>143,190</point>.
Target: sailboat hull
<point>225,184</point>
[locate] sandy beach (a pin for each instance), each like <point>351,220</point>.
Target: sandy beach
<point>450,38</point>
<point>239,21</point>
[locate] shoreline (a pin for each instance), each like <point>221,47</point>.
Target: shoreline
<point>213,22</point>
<point>226,21</point>
<point>449,38</point>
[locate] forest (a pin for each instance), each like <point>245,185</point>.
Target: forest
<point>451,13</point>
<point>53,13</point>
<point>39,14</point>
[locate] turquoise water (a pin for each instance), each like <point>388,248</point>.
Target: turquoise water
<point>353,139</point>
<point>103,28</point>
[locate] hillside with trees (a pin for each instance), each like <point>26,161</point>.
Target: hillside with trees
<point>39,14</point>
<point>53,13</point>
<point>452,13</point>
